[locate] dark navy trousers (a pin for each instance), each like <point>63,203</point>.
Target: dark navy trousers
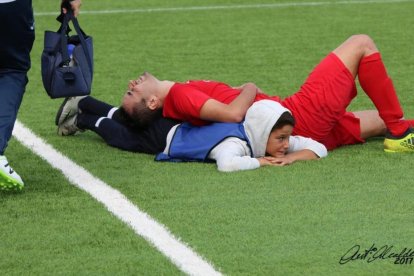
<point>16,41</point>
<point>120,131</point>
<point>12,87</point>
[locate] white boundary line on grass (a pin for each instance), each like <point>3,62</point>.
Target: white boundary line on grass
<point>157,234</point>
<point>230,7</point>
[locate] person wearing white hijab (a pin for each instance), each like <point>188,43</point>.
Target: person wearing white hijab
<point>262,139</point>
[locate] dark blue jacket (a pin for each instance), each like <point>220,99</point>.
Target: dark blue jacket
<point>16,35</point>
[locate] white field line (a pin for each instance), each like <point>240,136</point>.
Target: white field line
<point>158,235</point>
<point>231,7</point>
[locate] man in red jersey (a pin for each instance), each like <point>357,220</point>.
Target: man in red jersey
<point>197,102</point>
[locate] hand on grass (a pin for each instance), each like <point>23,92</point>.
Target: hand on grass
<point>275,161</point>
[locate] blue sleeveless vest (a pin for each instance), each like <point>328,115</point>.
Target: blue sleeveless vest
<point>193,143</point>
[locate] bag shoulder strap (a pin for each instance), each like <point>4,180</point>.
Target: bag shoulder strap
<point>81,35</point>
<point>64,38</point>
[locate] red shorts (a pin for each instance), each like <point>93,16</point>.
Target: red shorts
<point>319,107</point>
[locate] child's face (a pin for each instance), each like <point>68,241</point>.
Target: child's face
<point>278,142</point>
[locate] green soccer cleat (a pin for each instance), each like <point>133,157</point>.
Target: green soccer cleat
<point>404,143</point>
<point>9,179</point>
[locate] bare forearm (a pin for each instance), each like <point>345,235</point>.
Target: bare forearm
<point>233,112</point>
<point>302,155</point>
<point>242,102</point>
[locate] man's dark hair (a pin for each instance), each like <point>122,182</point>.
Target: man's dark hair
<point>123,117</point>
<point>285,119</point>
<point>142,115</point>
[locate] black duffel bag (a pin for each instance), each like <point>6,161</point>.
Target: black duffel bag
<point>67,61</point>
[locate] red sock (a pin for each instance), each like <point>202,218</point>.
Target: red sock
<point>411,122</point>
<point>376,83</point>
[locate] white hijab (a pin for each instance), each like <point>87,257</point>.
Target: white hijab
<point>259,121</point>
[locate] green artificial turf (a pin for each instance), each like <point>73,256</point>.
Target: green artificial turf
<point>295,220</point>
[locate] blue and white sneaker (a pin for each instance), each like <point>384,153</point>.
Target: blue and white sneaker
<point>9,179</point>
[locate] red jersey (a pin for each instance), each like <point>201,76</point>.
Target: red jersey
<point>185,100</point>
<point>319,107</point>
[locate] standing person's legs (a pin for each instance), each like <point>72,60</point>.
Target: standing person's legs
<point>16,40</point>
<point>12,87</point>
